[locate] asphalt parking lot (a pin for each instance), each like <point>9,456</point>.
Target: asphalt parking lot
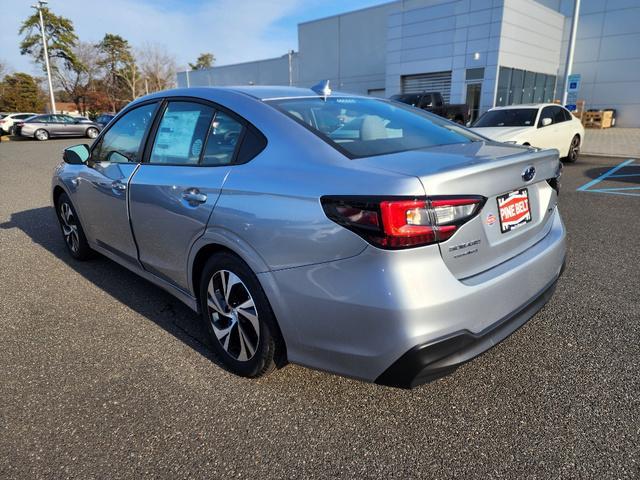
<point>105,376</point>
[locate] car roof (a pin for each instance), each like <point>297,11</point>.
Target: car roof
<point>258,92</point>
<point>527,105</point>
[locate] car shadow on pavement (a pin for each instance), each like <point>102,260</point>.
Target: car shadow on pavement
<point>40,224</point>
<point>626,176</point>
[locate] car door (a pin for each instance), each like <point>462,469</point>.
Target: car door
<point>57,126</point>
<point>69,126</point>
<point>101,187</point>
<point>566,130</point>
<point>175,190</point>
<point>44,121</point>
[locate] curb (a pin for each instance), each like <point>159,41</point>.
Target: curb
<point>609,155</point>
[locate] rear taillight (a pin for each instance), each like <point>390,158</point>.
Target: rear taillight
<point>555,181</point>
<point>402,223</point>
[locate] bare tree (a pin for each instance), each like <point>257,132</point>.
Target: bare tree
<point>77,79</point>
<point>132,78</point>
<point>158,67</point>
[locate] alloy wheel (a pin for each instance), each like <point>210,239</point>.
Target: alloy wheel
<point>92,133</point>
<point>575,149</point>
<point>42,135</point>
<point>69,227</point>
<point>233,315</point>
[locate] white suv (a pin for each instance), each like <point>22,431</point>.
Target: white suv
<point>6,123</point>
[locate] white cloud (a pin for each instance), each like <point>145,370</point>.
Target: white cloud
<point>234,30</point>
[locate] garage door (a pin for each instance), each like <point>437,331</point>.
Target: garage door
<point>428,82</point>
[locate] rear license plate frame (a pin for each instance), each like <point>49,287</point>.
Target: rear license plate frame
<point>513,219</point>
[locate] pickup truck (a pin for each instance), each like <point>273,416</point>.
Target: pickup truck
<point>434,103</point>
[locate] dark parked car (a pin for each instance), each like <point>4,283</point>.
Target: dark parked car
<point>434,103</point>
<point>43,127</point>
<point>103,119</point>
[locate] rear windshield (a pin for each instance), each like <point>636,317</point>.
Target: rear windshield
<point>510,117</point>
<point>363,127</point>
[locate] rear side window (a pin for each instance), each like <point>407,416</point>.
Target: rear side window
<point>558,115</point>
<point>362,127</point>
<point>122,142</point>
<point>253,142</point>
<point>224,135</point>
<point>181,133</point>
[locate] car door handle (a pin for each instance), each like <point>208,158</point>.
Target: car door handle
<point>118,186</point>
<point>193,196</point>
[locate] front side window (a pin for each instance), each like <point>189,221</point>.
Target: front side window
<point>181,134</point>
<point>361,127</point>
<point>508,117</point>
<point>547,112</point>
<point>122,142</point>
<point>62,119</point>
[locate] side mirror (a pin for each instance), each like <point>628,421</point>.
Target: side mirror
<point>76,155</point>
<point>546,122</point>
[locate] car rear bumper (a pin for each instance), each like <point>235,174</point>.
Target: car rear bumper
<point>360,316</point>
<point>424,363</point>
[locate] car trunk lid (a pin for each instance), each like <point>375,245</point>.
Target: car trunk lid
<point>493,171</point>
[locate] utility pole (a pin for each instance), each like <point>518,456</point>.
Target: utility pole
<point>38,6</point>
<point>290,67</point>
<point>187,73</point>
<point>572,46</point>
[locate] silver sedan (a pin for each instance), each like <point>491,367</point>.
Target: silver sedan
<point>43,127</point>
<point>344,233</point>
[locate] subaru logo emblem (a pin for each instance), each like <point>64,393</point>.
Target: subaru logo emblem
<point>528,174</point>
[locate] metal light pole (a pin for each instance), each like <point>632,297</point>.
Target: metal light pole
<point>290,54</point>
<point>572,47</point>
<point>38,7</point>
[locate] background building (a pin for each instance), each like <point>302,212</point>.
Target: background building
<point>480,52</point>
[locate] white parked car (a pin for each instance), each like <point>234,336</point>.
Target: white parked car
<point>7,122</point>
<point>543,125</point>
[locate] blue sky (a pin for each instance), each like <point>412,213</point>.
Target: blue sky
<point>234,30</point>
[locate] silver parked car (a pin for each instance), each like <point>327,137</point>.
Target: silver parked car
<point>43,127</point>
<point>344,233</point>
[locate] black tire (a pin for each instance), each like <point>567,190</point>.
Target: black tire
<point>92,132</point>
<point>41,135</point>
<point>242,335</point>
<point>574,150</point>
<point>72,232</point>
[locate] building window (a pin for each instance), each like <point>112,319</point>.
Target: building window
<point>517,86</point>
<point>474,74</point>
